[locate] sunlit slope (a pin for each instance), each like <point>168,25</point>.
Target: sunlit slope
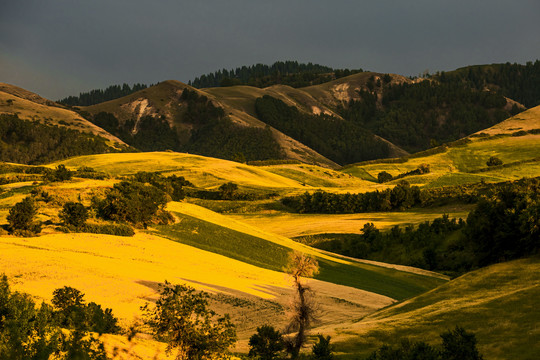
<point>498,303</point>
<point>123,273</point>
<point>210,172</point>
<point>466,163</point>
<point>292,225</point>
<point>200,170</point>
<point>210,231</point>
<point>44,112</point>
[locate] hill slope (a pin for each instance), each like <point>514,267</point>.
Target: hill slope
<point>498,303</point>
<point>516,141</point>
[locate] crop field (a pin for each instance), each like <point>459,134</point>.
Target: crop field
<point>292,225</point>
<point>498,303</point>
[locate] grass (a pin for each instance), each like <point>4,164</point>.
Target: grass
<point>292,225</point>
<point>497,303</point>
<point>227,237</point>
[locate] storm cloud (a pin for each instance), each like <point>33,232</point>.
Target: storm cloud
<point>62,47</point>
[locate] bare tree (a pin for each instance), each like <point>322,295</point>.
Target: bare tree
<point>300,266</point>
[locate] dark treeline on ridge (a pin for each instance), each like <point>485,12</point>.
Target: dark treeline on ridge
<point>28,142</point>
<point>289,73</point>
<point>421,115</point>
<point>341,141</point>
<point>97,96</point>
<point>515,81</point>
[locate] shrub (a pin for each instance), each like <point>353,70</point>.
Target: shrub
<point>494,161</point>
<point>182,319</point>
<point>384,177</point>
<point>108,229</point>
<point>61,173</point>
<point>74,214</point>
<point>21,217</point>
<point>131,201</point>
<point>266,344</point>
<point>322,350</point>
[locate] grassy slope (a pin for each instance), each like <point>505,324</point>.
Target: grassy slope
<point>498,303</point>
<point>50,115</point>
<point>250,244</point>
<point>292,225</point>
<point>466,163</point>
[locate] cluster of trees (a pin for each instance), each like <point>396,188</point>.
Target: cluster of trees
<point>281,72</point>
<point>384,176</point>
<point>402,196</point>
<point>420,115</point>
<point>97,96</point>
<point>503,226</point>
<point>516,81</point>
<point>30,332</point>
<point>133,202</point>
<point>344,142</point>
<point>29,142</point>
<point>426,246</point>
<point>506,224</point>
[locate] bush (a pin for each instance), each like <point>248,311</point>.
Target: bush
<point>182,319</point>
<point>108,229</point>
<point>21,217</point>
<point>384,177</point>
<point>71,312</point>
<point>131,201</point>
<point>266,344</point>
<point>74,214</point>
<point>494,161</point>
<point>61,173</point>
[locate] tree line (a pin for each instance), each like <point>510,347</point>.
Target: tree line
<point>421,115</point>
<point>515,81</point>
<point>260,75</point>
<point>503,226</point>
<point>97,96</point>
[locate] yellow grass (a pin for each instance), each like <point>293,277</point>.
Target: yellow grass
<point>123,273</point>
<point>292,225</point>
<point>254,230</point>
<point>200,170</point>
<point>527,120</point>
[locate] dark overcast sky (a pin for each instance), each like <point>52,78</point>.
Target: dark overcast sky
<point>62,47</point>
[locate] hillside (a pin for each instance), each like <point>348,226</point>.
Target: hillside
<point>190,122</point>
<point>515,141</point>
<point>497,303</point>
<point>29,106</point>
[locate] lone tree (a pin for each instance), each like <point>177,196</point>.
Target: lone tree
<point>22,215</point>
<point>182,319</point>
<point>303,309</point>
<point>266,344</point>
